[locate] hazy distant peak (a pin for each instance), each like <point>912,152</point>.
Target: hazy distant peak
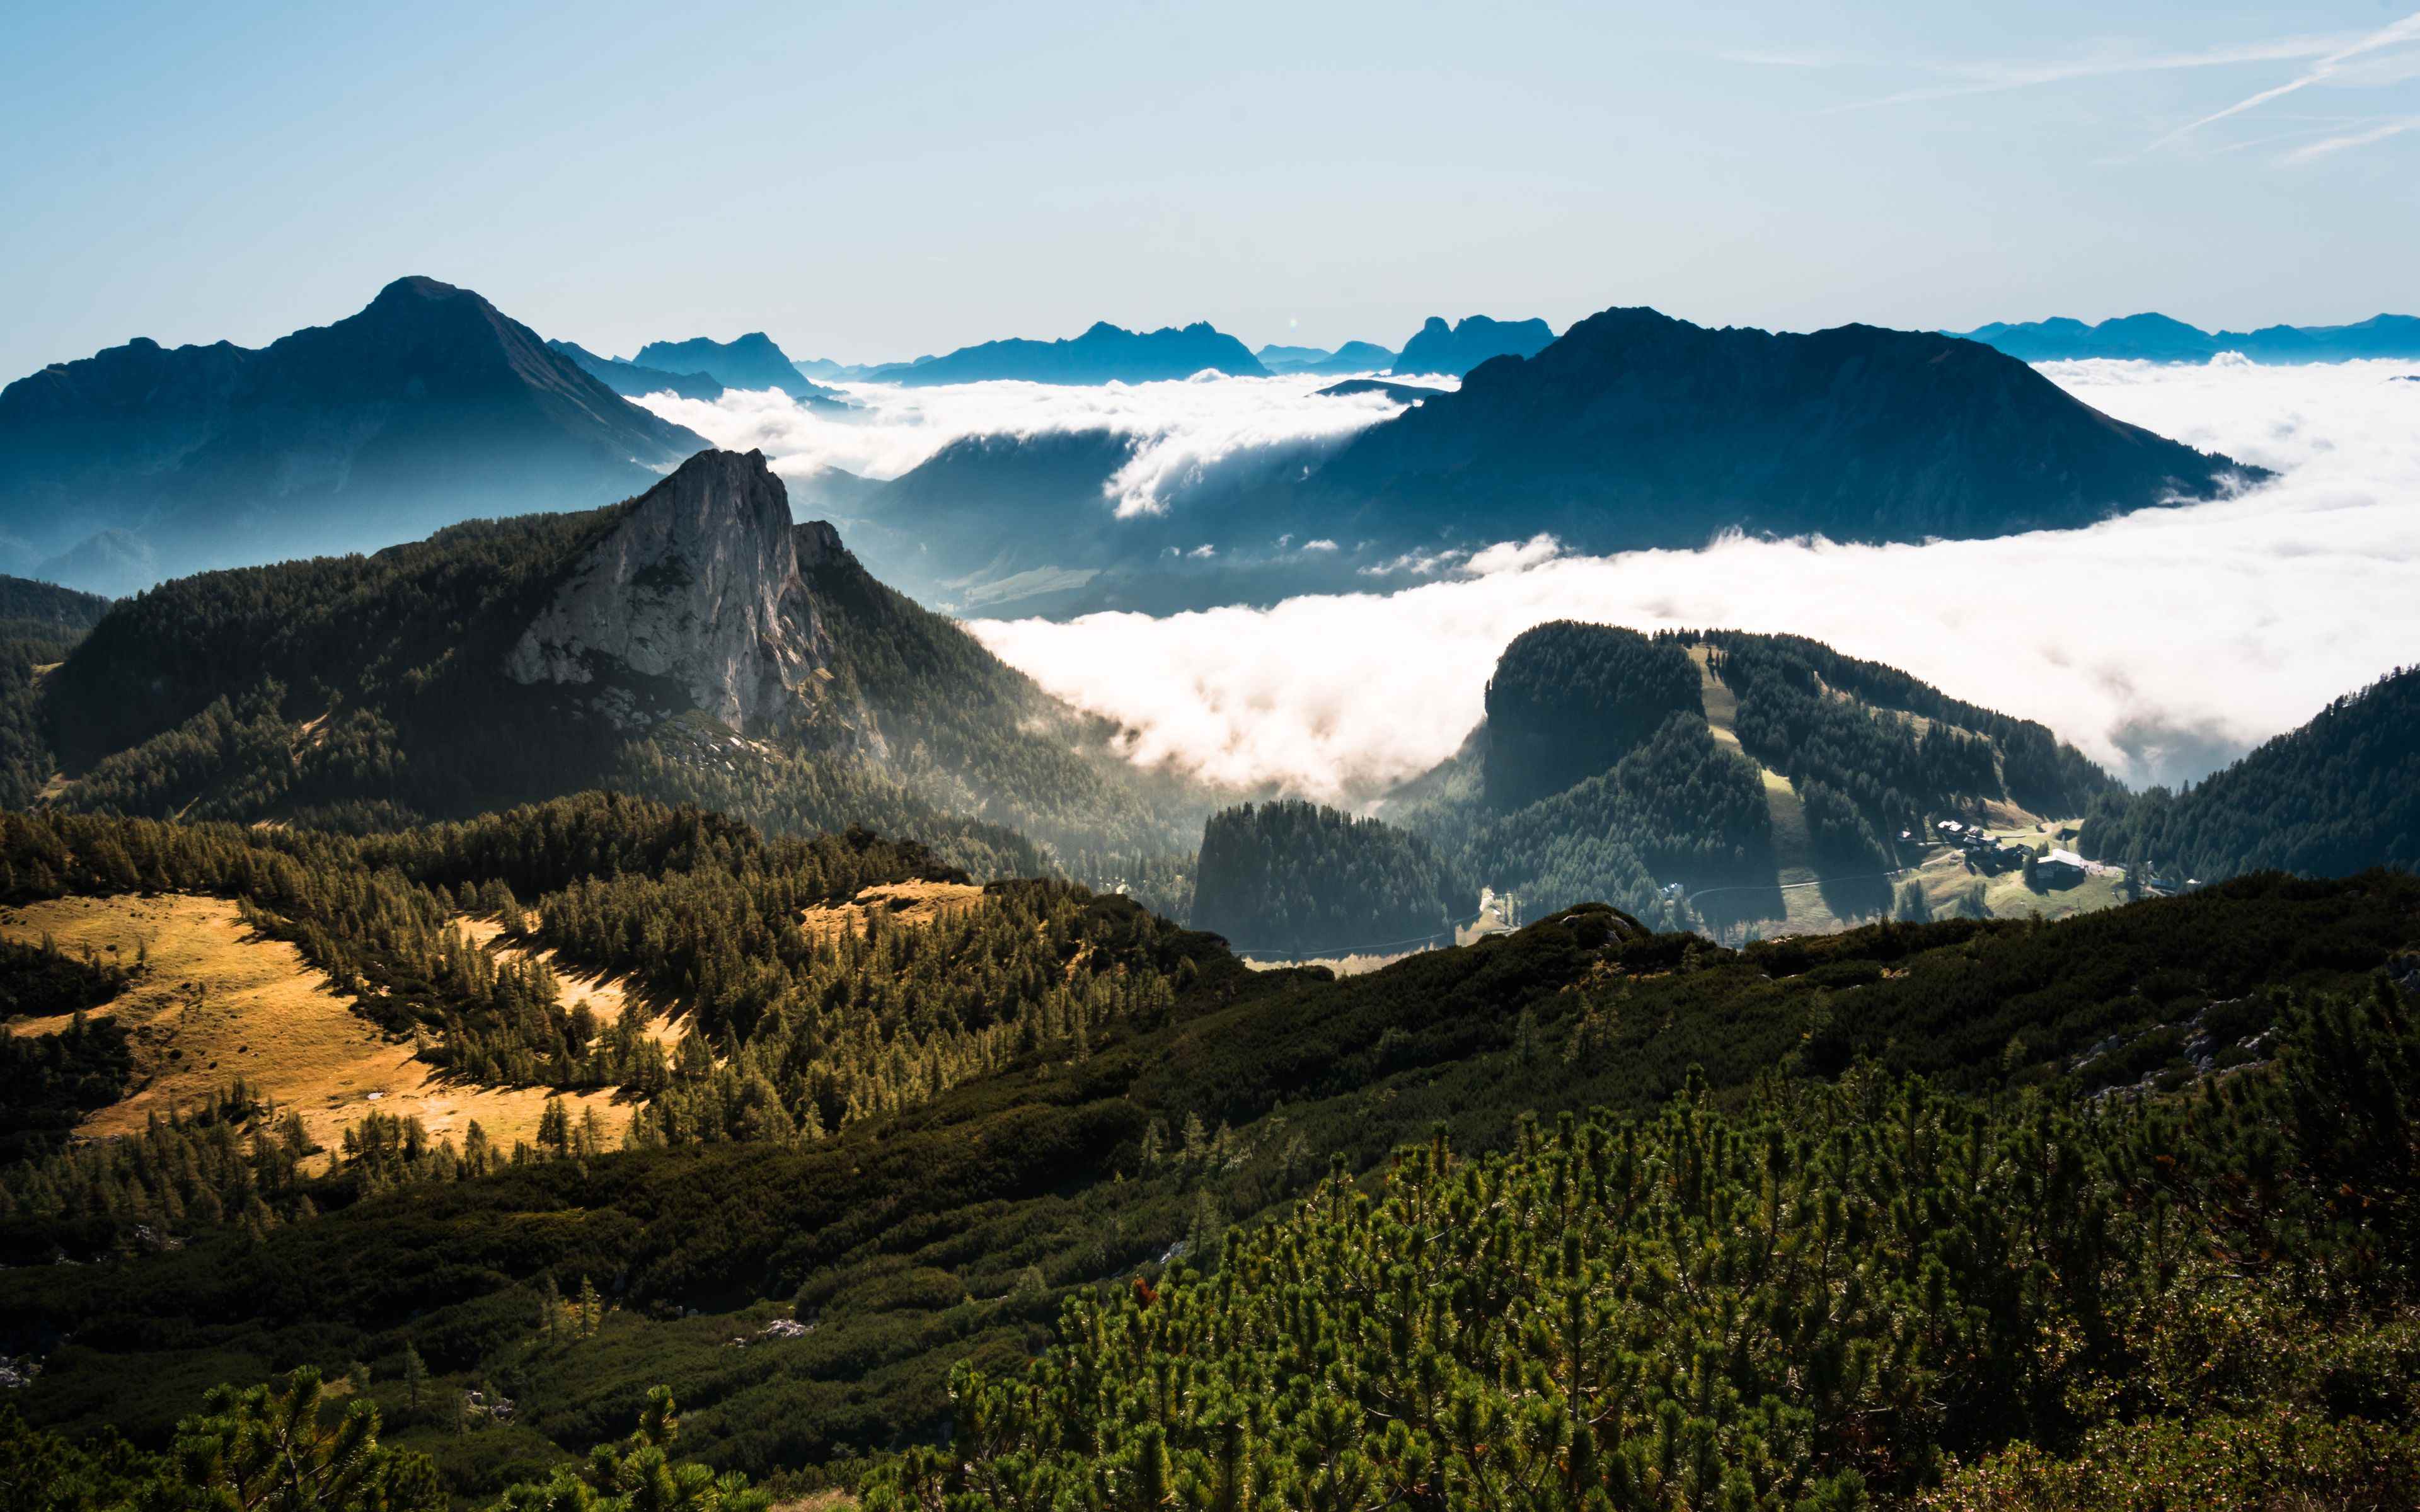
<point>1104,353</point>
<point>1456,348</point>
<point>2159,338</point>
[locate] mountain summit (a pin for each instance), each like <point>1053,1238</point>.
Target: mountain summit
<point>429,406</point>
<point>750,361</point>
<point>699,585</point>
<point>1438,347</point>
<point>1637,429</point>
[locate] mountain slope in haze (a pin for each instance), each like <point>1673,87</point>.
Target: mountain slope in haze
<point>45,610</point>
<point>1103,354</point>
<point>2339,795</point>
<point>1637,430</point>
<point>1631,431</point>
<point>2157,338</point>
<point>1456,348</point>
<point>1616,765</point>
<point>690,644</point>
<point>630,381</point>
<point>429,405</point>
<point>1353,357</point>
<point>1399,393</point>
<point>748,361</point>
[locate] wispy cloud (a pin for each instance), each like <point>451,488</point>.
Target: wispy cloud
<point>1190,437</point>
<point>2330,65</point>
<point>1783,60</point>
<point>1995,78</point>
<point>2353,139</point>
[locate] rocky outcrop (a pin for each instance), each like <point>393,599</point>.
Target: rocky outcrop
<point>697,593</point>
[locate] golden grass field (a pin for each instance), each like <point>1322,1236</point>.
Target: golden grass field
<point>218,1001</point>
<point>899,902</point>
<point>604,995</point>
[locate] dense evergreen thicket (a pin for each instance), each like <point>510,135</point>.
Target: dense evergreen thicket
<point>1679,808</point>
<point>1569,699</point>
<point>2338,795</point>
<point>1837,1290</point>
<point>1296,878</point>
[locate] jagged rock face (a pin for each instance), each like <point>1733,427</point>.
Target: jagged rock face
<point>700,587</point>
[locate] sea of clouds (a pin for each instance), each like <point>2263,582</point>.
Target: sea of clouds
<point>2163,644</point>
<point>1192,435</point>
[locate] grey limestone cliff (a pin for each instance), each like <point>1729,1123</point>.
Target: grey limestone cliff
<point>697,593</point>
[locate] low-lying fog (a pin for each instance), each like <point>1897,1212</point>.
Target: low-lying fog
<point>1187,429</point>
<point>2163,644</point>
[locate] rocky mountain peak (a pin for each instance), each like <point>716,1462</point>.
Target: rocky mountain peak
<point>695,597</point>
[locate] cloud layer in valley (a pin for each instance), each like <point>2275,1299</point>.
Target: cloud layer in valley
<point>2162,643</point>
<point>1196,432</point>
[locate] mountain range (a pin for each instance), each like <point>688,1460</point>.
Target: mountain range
<point>748,361</point>
<point>1353,357</point>
<point>1633,430</point>
<point>1103,354</point>
<point>429,406</point>
<point>2157,338</point>
<point>630,381</point>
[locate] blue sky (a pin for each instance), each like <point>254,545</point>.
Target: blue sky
<point>875,182</point>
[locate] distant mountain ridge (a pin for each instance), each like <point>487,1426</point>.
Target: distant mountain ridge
<point>1103,354</point>
<point>630,381</point>
<point>1455,349</point>
<point>748,361</point>
<point>2157,338</point>
<point>1353,357</point>
<point>426,407</point>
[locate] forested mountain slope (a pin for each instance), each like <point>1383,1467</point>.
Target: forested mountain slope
<point>1616,765</point>
<point>1049,1136</point>
<point>690,644</point>
<point>2337,795</point>
<point>1294,878</point>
